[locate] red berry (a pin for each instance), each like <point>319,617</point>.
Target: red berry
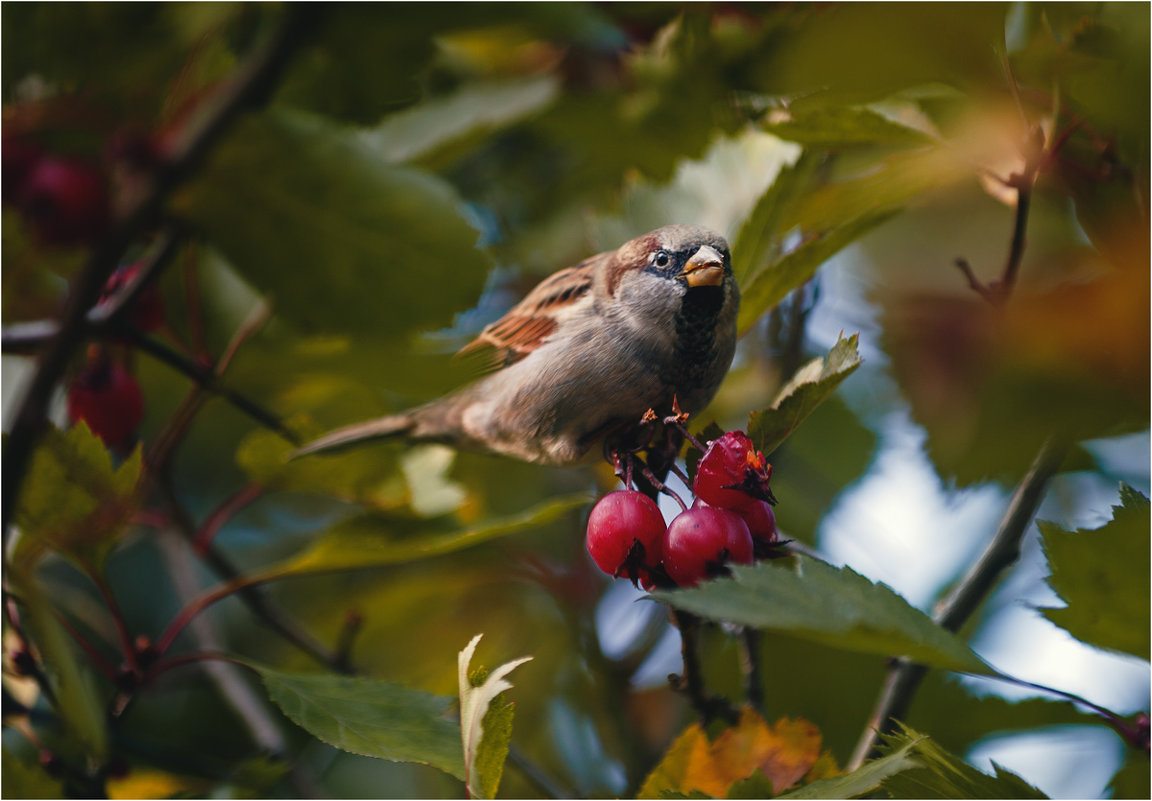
<point>731,461</point>
<point>624,533</point>
<point>700,541</point>
<point>107,398</point>
<point>759,518</point>
<point>148,309</point>
<point>66,201</point>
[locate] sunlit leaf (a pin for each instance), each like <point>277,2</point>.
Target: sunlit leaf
<point>330,230</point>
<point>74,499</point>
<point>942,775</point>
<point>19,779</point>
<point>475,111</point>
<point>864,780</point>
<point>376,540</point>
<point>370,717</point>
<point>1102,576</point>
<point>764,227</point>
<point>841,126</point>
<point>802,394</point>
<point>807,598</point>
<point>485,738</point>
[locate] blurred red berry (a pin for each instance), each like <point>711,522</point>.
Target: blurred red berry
<point>18,157</point>
<point>700,541</point>
<point>107,397</point>
<point>65,200</point>
<point>147,312</point>
<point>732,474</point>
<point>625,530</point>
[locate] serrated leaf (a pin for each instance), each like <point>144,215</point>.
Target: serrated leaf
<point>802,394</point>
<point>370,717</point>
<point>774,756</point>
<point>765,288</point>
<point>474,111</point>
<point>74,500</point>
<point>328,228</point>
<point>839,126</point>
<point>483,764</point>
<point>376,540</point>
<point>940,774</point>
<point>864,780</point>
<point>1102,576</point>
<point>810,599</point>
<point>763,228</point>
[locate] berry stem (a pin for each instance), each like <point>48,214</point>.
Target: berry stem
<point>691,682</point>
<point>660,486</point>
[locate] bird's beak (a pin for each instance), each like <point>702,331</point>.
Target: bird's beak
<point>705,268</point>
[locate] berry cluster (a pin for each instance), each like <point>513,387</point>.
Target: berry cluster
<point>730,521</point>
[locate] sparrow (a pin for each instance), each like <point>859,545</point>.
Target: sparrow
<point>582,358</point>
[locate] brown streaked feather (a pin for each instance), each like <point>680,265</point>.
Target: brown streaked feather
<point>528,324</point>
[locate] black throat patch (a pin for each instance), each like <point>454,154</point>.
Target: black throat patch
<point>696,328</point>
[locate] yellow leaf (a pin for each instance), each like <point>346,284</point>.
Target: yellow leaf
<point>784,752</point>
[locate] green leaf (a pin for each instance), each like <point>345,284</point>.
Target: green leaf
<point>376,540</point>
<point>1132,779</point>
<point>839,126</point>
<point>766,287</point>
<point>80,704</point>
<point>23,780</point>
<point>1102,576</point>
<point>943,775</point>
<point>425,132</point>
<point>864,780</point>
<point>485,723</point>
<point>370,717</point>
<point>764,227</point>
<point>813,600</point>
<point>329,229</point>
<point>802,394</point>
<point>74,500</point>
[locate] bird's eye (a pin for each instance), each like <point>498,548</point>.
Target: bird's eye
<point>661,259</point>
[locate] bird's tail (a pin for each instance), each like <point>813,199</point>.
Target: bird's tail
<point>392,426</point>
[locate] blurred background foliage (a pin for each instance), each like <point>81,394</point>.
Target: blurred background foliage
<point>418,168</point>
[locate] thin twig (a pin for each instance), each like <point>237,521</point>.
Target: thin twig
<point>904,677</point>
<point>752,668</point>
<point>691,681</point>
<point>250,87</point>
<point>223,513</point>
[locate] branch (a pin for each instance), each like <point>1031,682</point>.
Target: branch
<point>1002,552</point>
<point>250,87</point>
<point>691,683</point>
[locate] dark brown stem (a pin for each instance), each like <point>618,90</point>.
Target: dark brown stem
<point>250,87</point>
<point>1002,552</point>
<point>222,514</point>
<point>691,681</point>
<point>752,668</point>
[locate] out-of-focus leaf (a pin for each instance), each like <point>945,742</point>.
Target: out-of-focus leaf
<point>377,540</point>
<point>1132,780</point>
<point>425,132</point>
<point>1102,576</point>
<point>485,724</point>
<point>941,775</point>
<point>145,783</point>
<point>367,476</point>
<point>779,755</point>
<point>74,500</point>
<point>341,240</point>
<point>19,779</point>
<point>959,718</point>
<point>864,780</point>
<point>769,285</point>
<point>807,598</point>
<point>370,717</point>
<point>840,126</point>
<point>80,703</point>
<point>990,386</point>
<point>806,390</point>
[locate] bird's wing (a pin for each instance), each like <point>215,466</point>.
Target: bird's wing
<point>529,323</point>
